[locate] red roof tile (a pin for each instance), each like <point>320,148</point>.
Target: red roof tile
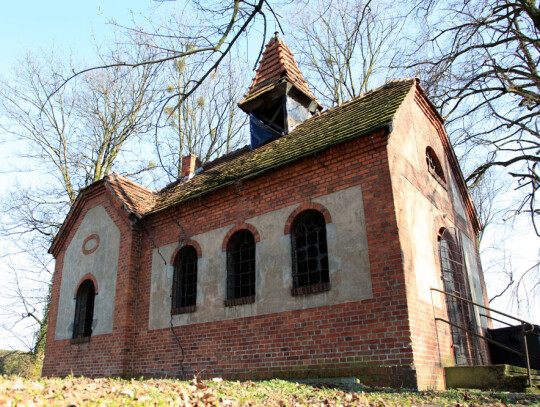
<point>136,199</point>
<point>355,118</point>
<point>277,64</point>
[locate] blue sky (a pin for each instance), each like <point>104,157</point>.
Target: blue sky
<point>60,24</point>
<point>64,27</point>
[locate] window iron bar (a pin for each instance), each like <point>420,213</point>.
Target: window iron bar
<point>453,267</point>
<point>240,267</point>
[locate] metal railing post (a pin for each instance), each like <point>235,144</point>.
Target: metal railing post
<point>526,349</point>
<point>523,323</point>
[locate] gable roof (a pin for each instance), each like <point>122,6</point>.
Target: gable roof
<point>277,66</point>
<point>360,116</point>
<point>133,198</point>
<point>136,199</point>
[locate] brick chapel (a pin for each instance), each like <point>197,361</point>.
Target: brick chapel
<point>311,252</point>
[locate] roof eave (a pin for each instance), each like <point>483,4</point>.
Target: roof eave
<point>83,195</point>
<point>268,93</point>
<point>266,169</point>
<point>101,186</point>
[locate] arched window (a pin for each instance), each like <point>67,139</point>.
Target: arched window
<point>309,253</point>
<point>185,281</point>
<point>434,165</point>
<point>241,268</point>
<point>84,310</point>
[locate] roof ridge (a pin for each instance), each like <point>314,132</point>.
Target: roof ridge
<point>218,162</point>
<point>372,111</point>
<point>115,176</point>
<point>387,84</point>
<point>206,166</point>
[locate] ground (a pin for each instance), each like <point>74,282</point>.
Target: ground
<point>70,391</point>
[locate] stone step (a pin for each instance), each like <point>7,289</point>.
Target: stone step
<point>521,371</point>
<point>493,377</point>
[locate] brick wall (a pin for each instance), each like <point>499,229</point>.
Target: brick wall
<point>431,343</point>
<point>371,339</point>
<point>105,355</point>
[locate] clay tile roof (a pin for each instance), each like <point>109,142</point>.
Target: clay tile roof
<point>358,117</point>
<point>277,64</point>
<point>136,199</point>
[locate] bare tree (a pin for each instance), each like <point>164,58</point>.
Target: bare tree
<point>211,28</point>
<point>208,123</point>
<point>117,107</point>
<point>485,195</point>
<point>480,60</point>
<point>77,125</point>
<point>344,46</point>
<point>513,283</point>
<point>71,138</point>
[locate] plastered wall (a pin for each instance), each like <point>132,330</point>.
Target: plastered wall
<point>474,270</point>
<point>98,257</point>
<point>426,204</point>
<point>348,263</point>
<point>420,220</point>
<point>368,335</point>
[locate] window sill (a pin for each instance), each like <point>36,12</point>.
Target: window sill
<point>310,289</point>
<point>77,341</point>
<point>184,310</point>
<point>240,301</point>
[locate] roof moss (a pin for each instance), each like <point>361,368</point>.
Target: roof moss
<point>355,118</point>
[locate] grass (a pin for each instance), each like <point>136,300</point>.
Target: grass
<point>19,363</point>
<point>15,390</point>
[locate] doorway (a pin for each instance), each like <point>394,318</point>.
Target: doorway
<point>466,346</point>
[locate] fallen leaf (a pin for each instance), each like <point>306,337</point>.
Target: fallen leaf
<point>4,401</point>
<point>18,385</point>
<point>201,385</point>
<point>127,392</point>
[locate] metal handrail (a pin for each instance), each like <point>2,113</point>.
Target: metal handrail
<point>524,332</point>
<point>483,306</point>
<point>495,319</point>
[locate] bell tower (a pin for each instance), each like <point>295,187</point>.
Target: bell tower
<point>279,98</point>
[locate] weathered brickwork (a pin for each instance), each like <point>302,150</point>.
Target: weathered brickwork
<point>371,336</point>
<point>388,339</point>
<point>313,342</point>
<point>431,343</point>
<point>107,354</point>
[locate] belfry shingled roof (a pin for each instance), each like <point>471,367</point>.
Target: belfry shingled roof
<point>355,118</point>
<point>358,117</point>
<point>277,65</point>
